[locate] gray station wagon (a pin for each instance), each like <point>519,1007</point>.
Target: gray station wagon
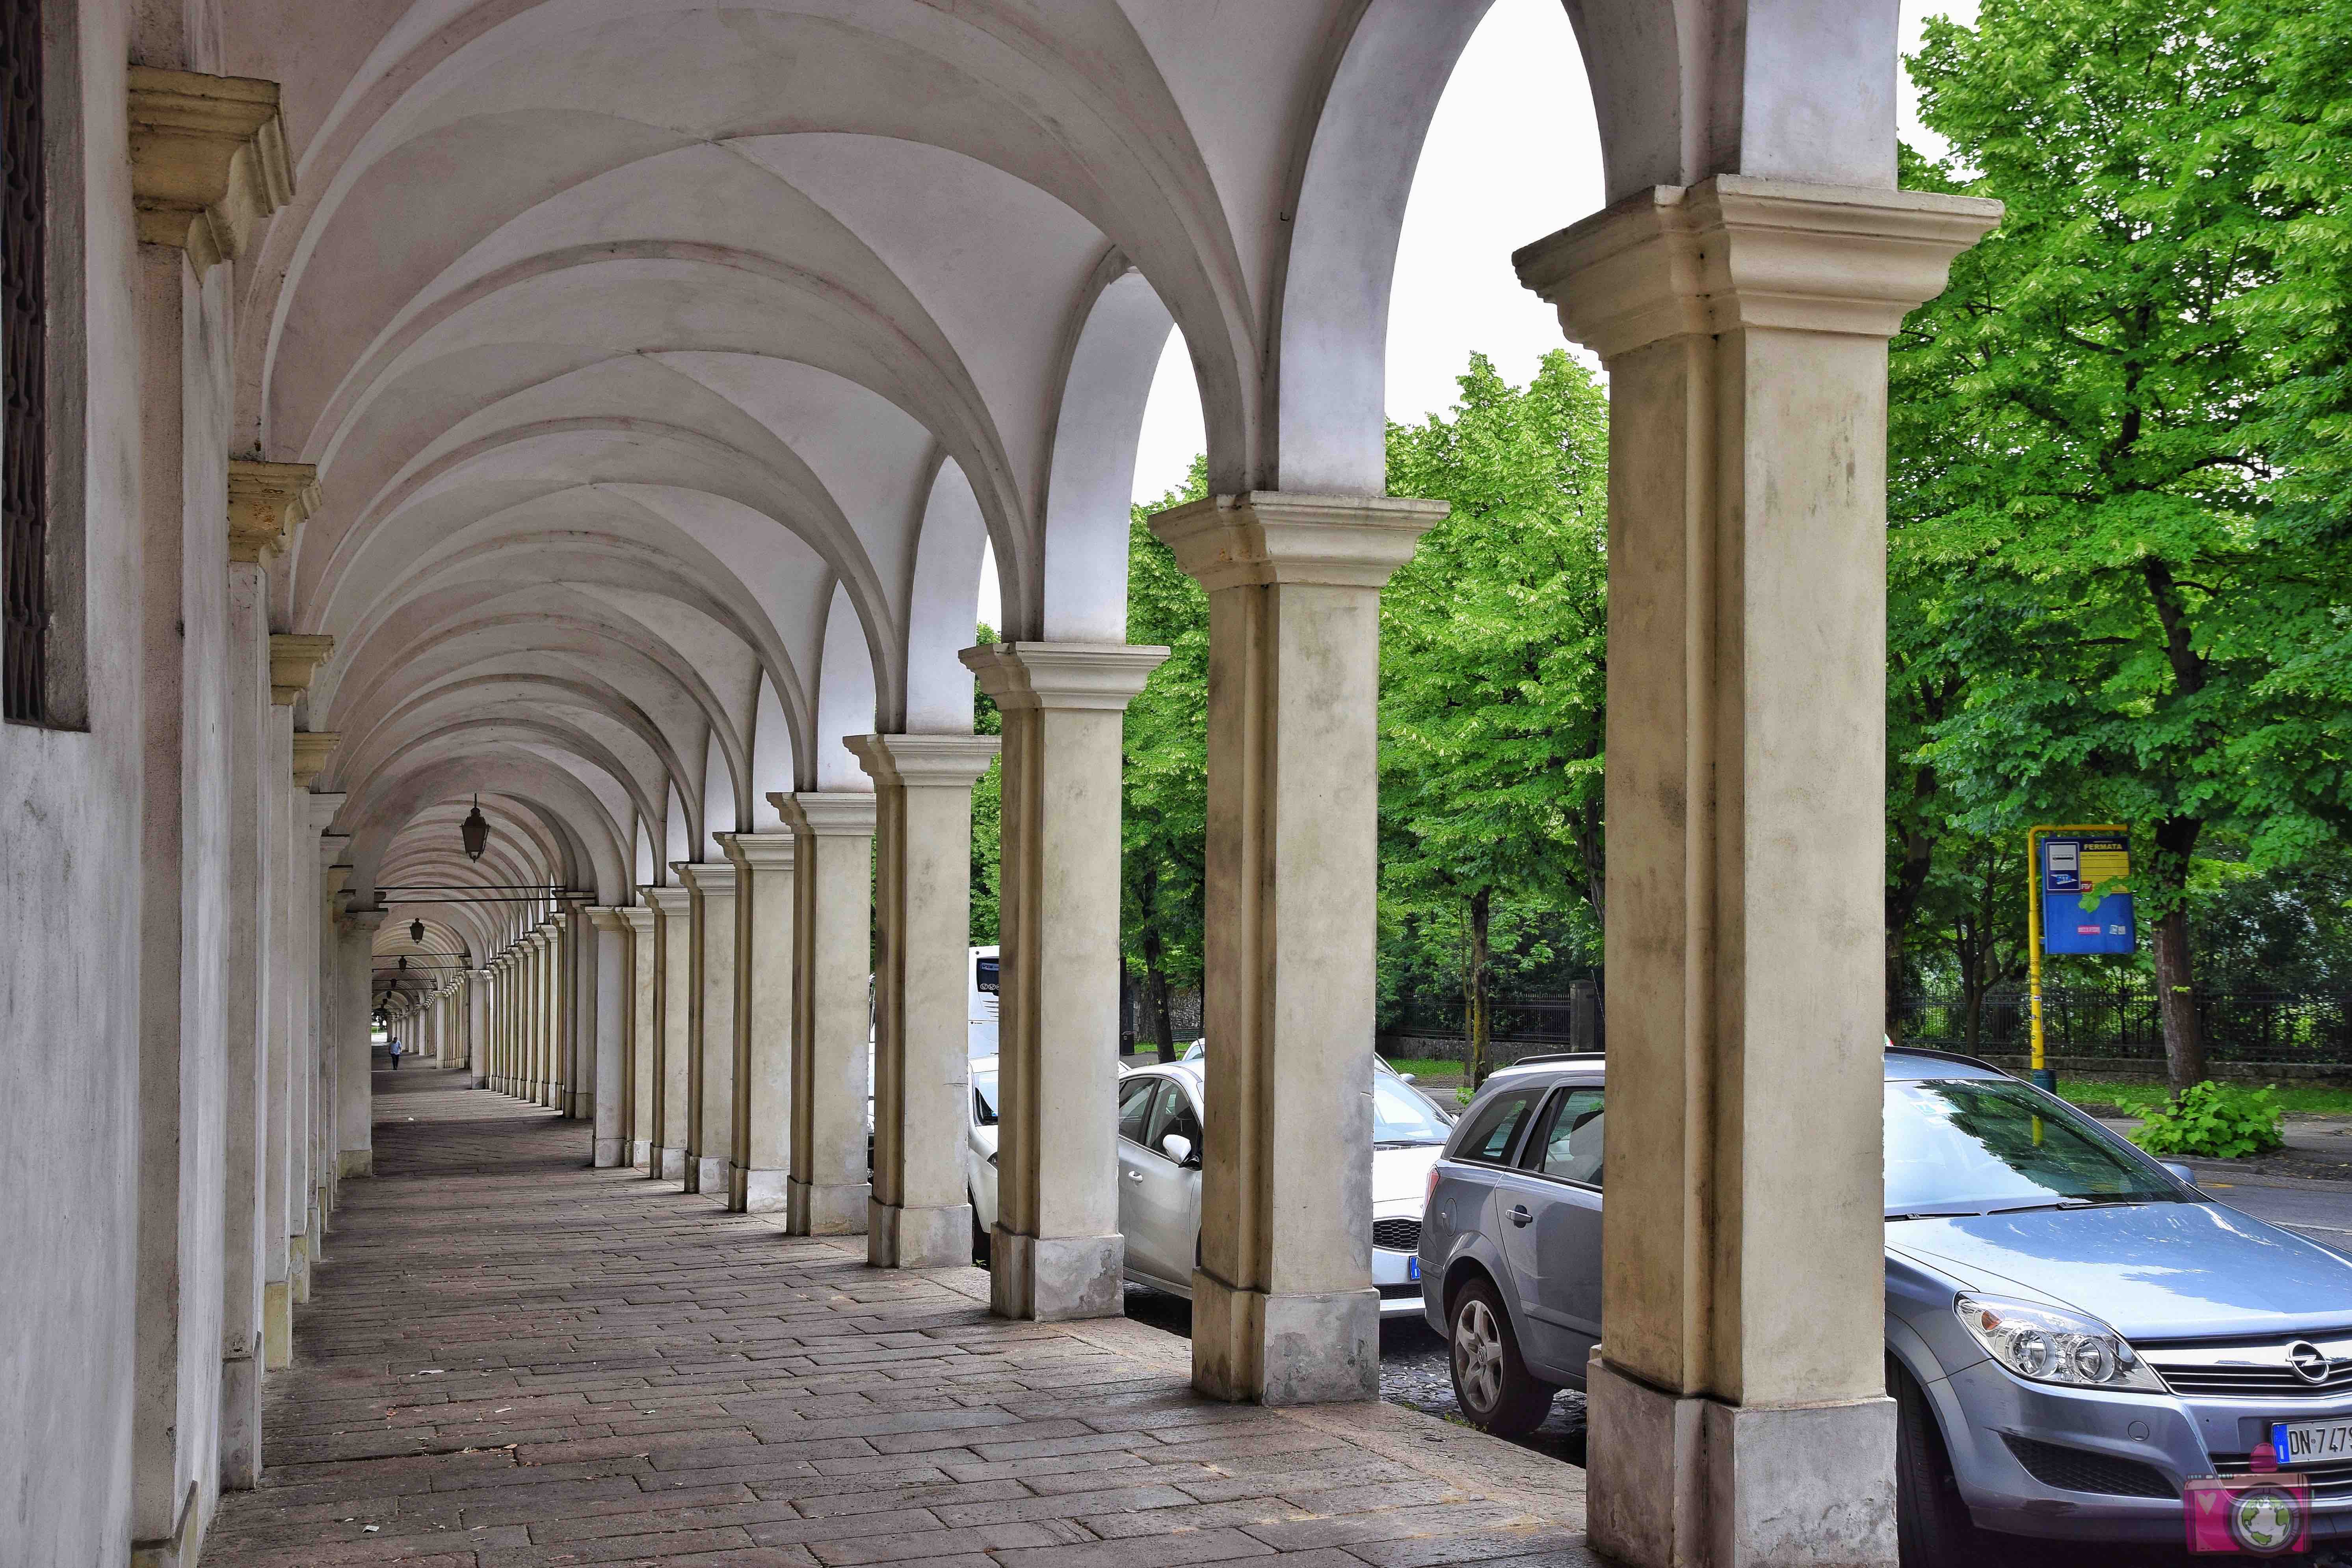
<point>2073,1329</point>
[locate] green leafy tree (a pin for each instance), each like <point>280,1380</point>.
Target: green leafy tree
<point>987,820</point>
<point>1165,819</point>
<point>1492,666</point>
<point>2075,470</point>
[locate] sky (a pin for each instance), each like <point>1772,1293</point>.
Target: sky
<point>1511,156</point>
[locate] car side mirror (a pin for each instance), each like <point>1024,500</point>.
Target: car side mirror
<point>1404,1077</point>
<point>1177,1147</point>
<point>2181,1172</point>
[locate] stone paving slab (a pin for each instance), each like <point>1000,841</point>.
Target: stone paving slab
<point>511,1360</point>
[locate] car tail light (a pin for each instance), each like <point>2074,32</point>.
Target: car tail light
<point>1429,1192</point>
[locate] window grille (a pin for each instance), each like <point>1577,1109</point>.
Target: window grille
<point>24,446</point>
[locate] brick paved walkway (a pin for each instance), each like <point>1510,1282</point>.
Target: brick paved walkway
<point>509,1361</point>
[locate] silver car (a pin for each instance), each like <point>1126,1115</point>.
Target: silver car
<point>2073,1329</point>
<point>1159,1179</point>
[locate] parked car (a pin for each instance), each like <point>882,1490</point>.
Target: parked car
<point>1160,1174</point>
<point>2072,1329</point>
<point>1159,1178</point>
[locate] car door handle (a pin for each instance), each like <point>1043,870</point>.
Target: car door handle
<point>1519,1215</point>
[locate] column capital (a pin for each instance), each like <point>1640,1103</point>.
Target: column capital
<point>1267,537</point>
<point>760,851</point>
<point>707,876</point>
<point>604,917</point>
<point>1102,676</point>
<point>639,918</point>
<point>924,761</point>
<point>267,504</point>
<point>311,749</point>
<point>827,814</point>
<point>366,917</point>
<point>1735,252</point>
<point>294,658</point>
<point>208,159</point>
<point>324,804</point>
<point>669,900</point>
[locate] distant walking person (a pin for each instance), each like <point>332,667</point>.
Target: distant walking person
<point>395,1053</point>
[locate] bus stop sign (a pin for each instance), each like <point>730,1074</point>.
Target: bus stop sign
<point>2071,868</point>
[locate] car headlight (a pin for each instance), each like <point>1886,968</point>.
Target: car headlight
<point>2050,1345</point>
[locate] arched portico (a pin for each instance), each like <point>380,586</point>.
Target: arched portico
<point>627,396</point>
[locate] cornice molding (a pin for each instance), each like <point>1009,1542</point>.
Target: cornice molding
<point>1100,675</point>
<point>268,504</point>
<point>311,749</point>
<point>294,658</point>
<point>1267,537</point>
<point>208,160</point>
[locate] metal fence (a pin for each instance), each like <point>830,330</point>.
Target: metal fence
<point>2122,1022</point>
<point>1570,1022</point>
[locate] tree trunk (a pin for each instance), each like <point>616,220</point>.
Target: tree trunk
<point>1473,989</point>
<point>2176,980</point>
<point>1155,968</point>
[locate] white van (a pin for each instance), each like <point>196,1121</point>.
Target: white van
<point>981,962</point>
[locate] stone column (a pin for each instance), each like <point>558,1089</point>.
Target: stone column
<point>920,1214</point>
<point>613,979</point>
<point>829,1185</point>
<point>538,1000</point>
<point>1283,1309</point>
<point>326,971</point>
<point>644,989</point>
<point>561,967</point>
<point>477,1024</point>
<point>278,1023</point>
<point>305,815</point>
<point>710,1126</point>
<point>1737,1403</point>
<point>758,1165</point>
<point>1056,1251</point>
<point>355,1089</point>
<point>673,1034</point>
<point>250,972</point>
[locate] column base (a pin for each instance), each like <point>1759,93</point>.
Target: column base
<point>584,1106</point>
<point>751,1191</point>
<point>1250,1345</point>
<point>667,1165</point>
<point>277,1324</point>
<point>354,1162</point>
<point>897,1237</point>
<point>240,1433</point>
<point>1052,1278</point>
<point>297,1268</point>
<point>813,1210</point>
<point>1677,1479</point>
<point>481,1081</point>
<point>711,1178</point>
<point>186,1538</point>
<point>609,1152</point>
<point>640,1153</point>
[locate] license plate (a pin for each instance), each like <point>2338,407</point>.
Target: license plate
<point>2311,1442</point>
<point>1413,1268</point>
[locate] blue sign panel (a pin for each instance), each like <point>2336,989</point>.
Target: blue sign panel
<point>2071,868</point>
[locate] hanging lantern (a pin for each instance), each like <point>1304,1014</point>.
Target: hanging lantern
<point>404,961</point>
<point>476,831</point>
<point>416,932</point>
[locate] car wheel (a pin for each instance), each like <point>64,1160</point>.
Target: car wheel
<point>1491,1383</point>
<point>1932,1526</point>
<point>980,1243</point>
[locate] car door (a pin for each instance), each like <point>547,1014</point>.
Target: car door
<point>1136,1093</point>
<point>1165,1194</point>
<point>1565,1159</point>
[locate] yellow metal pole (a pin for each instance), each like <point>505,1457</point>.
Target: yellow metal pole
<point>2033,946</point>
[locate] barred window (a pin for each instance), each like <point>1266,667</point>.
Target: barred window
<point>24,446</point>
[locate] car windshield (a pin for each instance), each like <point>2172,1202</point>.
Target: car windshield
<point>1401,1119</point>
<point>1974,1146</point>
<point>983,1098</point>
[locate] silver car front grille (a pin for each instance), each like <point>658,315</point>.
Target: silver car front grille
<point>2284,1369</point>
<point>1397,1235</point>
